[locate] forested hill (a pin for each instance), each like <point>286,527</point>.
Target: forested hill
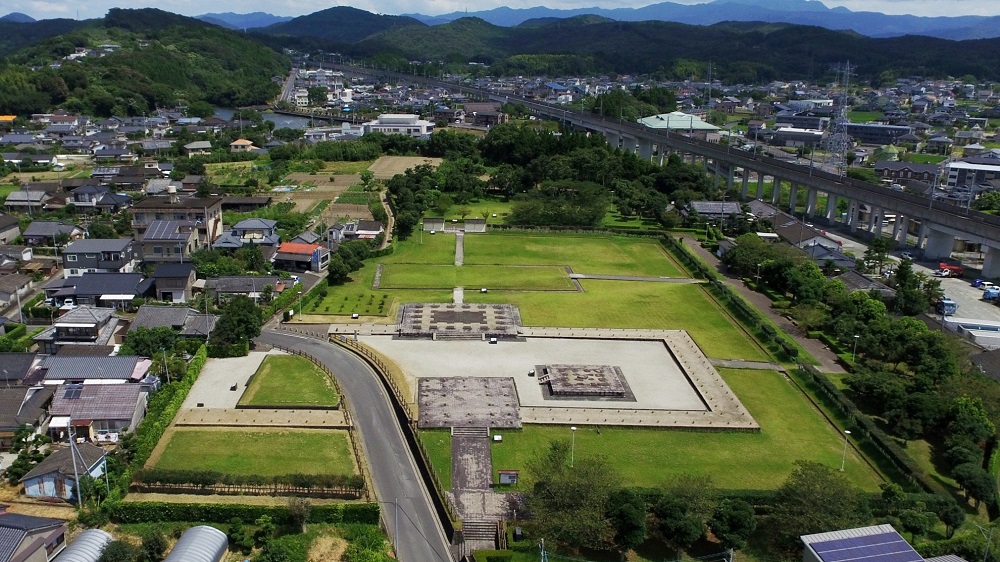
<point>162,60</point>
<point>342,24</point>
<point>742,52</point>
<point>15,35</point>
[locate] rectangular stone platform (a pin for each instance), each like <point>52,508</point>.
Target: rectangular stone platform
<point>440,320</point>
<point>468,402</point>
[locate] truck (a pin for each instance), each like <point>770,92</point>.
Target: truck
<point>953,270</point>
<point>947,306</point>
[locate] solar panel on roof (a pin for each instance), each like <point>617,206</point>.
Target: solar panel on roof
<point>73,392</point>
<point>883,547</point>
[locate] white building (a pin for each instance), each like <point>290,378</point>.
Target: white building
<point>399,124</point>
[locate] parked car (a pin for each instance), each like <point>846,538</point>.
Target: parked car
<point>986,285</point>
<point>907,256</point>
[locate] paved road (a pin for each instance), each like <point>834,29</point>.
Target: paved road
<point>395,475</point>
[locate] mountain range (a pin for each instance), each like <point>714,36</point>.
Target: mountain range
<point>242,21</point>
<point>800,12</point>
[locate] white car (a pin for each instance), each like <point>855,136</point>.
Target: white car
<point>907,256</point>
<point>987,285</point>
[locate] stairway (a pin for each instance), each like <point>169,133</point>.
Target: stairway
<point>480,530</point>
<point>470,432</point>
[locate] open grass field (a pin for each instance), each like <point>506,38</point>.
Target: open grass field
<point>432,249</point>
<point>437,442</point>
<point>518,278</point>
<point>924,158</point>
<point>864,116</point>
<point>624,304</point>
<point>791,430</point>
<point>232,173</point>
<point>484,208</point>
<point>290,381</point>
<point>388,166</point>
<point>268,453</point>
<point>617,255</point>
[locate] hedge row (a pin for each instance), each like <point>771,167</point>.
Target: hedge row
<point>209,477</point>
<point>865,430</point>
<point>280,302</point>
<point>161,410</point>
<point>238,349</point>
<point>149,512</point>
<point>18,331</point>
<point>736,305</point>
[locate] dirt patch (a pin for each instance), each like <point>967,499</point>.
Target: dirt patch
<point>326,548</point>
<point>388,166</point>
<point>11,495</point>
<point>337,211</point>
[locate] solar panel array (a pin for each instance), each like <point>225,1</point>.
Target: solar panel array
<point>73,392</point>
<point>883,547</point>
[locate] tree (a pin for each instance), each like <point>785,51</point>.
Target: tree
<point>568,503</point>
<point>952,515</point>
<point>732,523</point>
<point>120,551</point>
<point>877,253</point>
<point>338,272</point>
<point>684,509</point>
<point>977,483</point>
<point>148,342</point>
<point>298,512</point>
<point>970,420</point>
<point>101,230</point>
<point>627,512</point>
<point>917,520</point>
<point>154,544</point>
<point>317,96</point>
<point>813,499</point>
<point>240,321</point>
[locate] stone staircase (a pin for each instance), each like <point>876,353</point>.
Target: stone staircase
<point>480,531</point>
<point>470,432</point>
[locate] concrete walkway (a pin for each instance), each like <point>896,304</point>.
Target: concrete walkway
<point>634,278</point>
<point>458,295</point>
<point>459,248</point>
<point>225,417</point>
<point>828,360</point>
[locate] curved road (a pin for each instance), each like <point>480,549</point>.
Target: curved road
<point>393,471</point>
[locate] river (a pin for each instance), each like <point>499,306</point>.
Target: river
<point>280,121</point>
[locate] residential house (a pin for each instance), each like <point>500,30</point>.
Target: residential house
<point>27,200</point>
<point>242,145</point>
<point>939,145</point>
<point>797,233</point>
<point>47,232</point>
<point>168,241</point>
<point>9,229</point>
<point>855,282</point>
<point>100,289</point>
<point>249,231</point>
<point>302,257</point>
<point>84,325</point>
<point>13,287</point>
<point>13,258</point>
<point>824,256</point>
<point>26,538</point>
<point>174,281</point>
<point>875,133</point>
<point>21,406</point>
<point>196,148</point>
<point>56,476</point>
<point>360,230</point>
<point>204,212</point>
<point>187,322</point>
<point>899,171</point>
<point>97,412</point>
<point>714,210</point>
<point>15,367</point>
<point>222,288</point>
<point>307,237</point>
<point>90,370</point>
<point>93,255</point>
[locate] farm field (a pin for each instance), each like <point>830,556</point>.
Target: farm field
<point>259,451</point>
<point>290,381</point>
<point>791,429</point>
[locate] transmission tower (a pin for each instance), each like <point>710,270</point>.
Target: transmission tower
<point>838,142</point>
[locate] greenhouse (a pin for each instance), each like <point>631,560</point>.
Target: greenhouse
<point>88,547</point>
<point>199,544</point>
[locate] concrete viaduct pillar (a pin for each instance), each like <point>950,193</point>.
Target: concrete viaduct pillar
<point>718,173</point>
<point>811,202</point>
<point>899,230</point>
<point>760,186</point>
<point>775,190</point>
<point>744,190</point>
<point>831,208</point>
<point>853,214</point>
<point>730,172</point>
<point>645,149</point>
<point>793,197</point>
<point>991,262</point>
<point>613,139</point>
<point>922,235</point>
<point>871,218</point>
<point>939,245</point>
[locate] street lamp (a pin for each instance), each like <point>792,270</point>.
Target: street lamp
<point>854,353</point>
<point>572,445</point>
<point>843,458</point>
<point>758,276</point>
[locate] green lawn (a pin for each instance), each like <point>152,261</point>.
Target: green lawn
<point>267,453</point>
<point>924,158</point>
<point>864,116</point>
<point>626,304</point>
<point>484,208</point>
<point>524,278</point>
<point>437,443</point>
<point>791,430</point>
<point>6,190</point>
<point>615,255</point>
<point>290,380</point>
<point>426,248</point>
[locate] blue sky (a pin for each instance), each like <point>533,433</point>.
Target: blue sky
<point>40,9</point>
